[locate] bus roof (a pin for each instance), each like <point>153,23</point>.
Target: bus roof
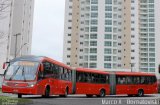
<point>27,58</point>
<point>134,73</point>
<point>56,62</point>
<point>39,59</point>
<point>91,71</point>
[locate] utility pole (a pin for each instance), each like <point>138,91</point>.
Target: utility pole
<point>16,35</point>
<point>132,64</point>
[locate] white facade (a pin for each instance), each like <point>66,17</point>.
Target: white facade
<point>113,34</point>
<point>16,17</point>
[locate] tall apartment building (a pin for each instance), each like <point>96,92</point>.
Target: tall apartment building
<point>16,21</point>
<point>112,34</point>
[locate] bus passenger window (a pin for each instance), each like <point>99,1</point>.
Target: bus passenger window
<point>129,80</point>
<point>142,80</point>
<point>121,80</point>
<point>154,79</point>
<point>69,75</point>
<point>88,78</point>
<point>79,76</point>
<point>47,69</point>
<point>136,80</point>
<point>107,79</point>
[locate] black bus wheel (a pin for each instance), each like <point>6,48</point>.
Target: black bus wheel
<point>47,92</point>
<point>19,95</point>
<point>102,93</point>
<point>140,93</point>
<point>66,93</point>
<point>130,95</point>
<point>89,95</point>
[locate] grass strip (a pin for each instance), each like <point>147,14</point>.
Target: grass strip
<point>4,100</point>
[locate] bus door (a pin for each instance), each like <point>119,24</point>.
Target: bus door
<point>112,82</point>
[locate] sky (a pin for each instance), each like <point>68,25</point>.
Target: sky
<point>48,28</point>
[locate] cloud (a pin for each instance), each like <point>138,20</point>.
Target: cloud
<point>48,28</point>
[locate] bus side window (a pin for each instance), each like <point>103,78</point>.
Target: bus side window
<point>129,80</point>
<point>136,80</point>
<point>54,70</point>
<point>102,78</point>
<point>154,79</point>
<point>121,80</point>
<point>65,74</point>
<point>79,76</point>
<point>107,79</point>
<point>61,74</point>
<point>142,80</point>
<point>47,69</point>
<point>57,71</point>
<point>93,78</point>
<point>69,75</point>
<point>88,77</point>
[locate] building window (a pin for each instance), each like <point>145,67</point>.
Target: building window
<point>93,58</point>
<point>93,43</point>
<point>94,22</point>
<point>107,65</point>
<point>94,29</point>
<point>108,43</point>
<point>108,8</point>
<point>93,36</point>
<point>108,36</point>
<point>94,15</point>
<point>93,50</point>
<point>68,56</point>
<point>107,58</point>
<point>108,22</point>
<point>108,1</point>
<point>94,8</point>
<point>108,15</point>
<point>107,51</point>
<point>93,65</point>
<point>94,1</point>
<point>108,29</point>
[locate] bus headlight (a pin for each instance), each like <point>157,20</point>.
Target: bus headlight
<point>31,84</point>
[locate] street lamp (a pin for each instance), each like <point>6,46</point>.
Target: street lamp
<point>16,35</point>
<point>132,65</point>
<point>21,48</point>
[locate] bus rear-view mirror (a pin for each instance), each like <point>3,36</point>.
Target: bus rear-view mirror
<point>4,65</point>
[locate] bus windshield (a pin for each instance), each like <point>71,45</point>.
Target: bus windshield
<point>22,70</point>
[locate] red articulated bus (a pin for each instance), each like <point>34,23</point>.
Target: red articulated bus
<point>37,76</point>
<point>92,82</point>
<point>135,83</point>
<point>31,75</point>
<point>100,83</point>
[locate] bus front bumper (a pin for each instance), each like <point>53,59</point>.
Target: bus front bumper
<point>20,90</point>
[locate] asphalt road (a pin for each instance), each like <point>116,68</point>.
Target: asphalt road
<point>83,100</point>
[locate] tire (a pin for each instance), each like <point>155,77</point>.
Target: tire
<point>47,93</point>
<point>65,94</point>
<point>89,95</point>
<point>102,93</point>
<point>19,95</point>
<point>140,93</point>
<point>130,95</point>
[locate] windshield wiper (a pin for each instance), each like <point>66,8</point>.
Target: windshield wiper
<point>23,74</point>
<point>14,73</point>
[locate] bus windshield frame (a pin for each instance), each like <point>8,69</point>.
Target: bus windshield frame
<point>22,71</point>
